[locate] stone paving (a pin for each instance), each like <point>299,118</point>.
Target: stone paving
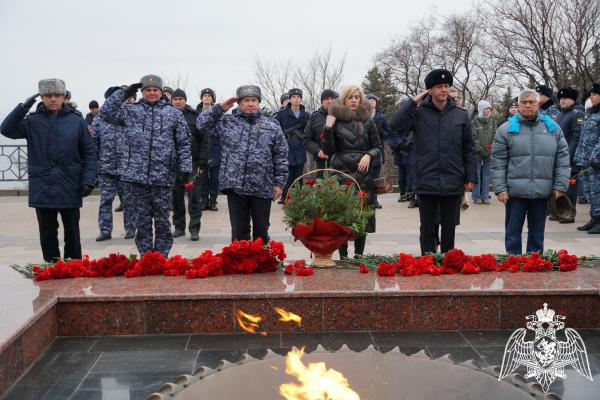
<point>481,230</point>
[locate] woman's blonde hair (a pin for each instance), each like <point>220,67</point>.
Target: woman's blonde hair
<point>348,90</point>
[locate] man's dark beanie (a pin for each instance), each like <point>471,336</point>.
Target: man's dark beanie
<point>179,93</point>
<point>93,104</point>
<point>438,77</point>
<point>210,92</point>
<point>568,92</point>
<point>283,98</point>
<point>329,93</point>
<point>544,89</point>
<point>595,88</point>
<point>110,91</point>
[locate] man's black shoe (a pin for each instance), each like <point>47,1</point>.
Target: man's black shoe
<point>103,236</point>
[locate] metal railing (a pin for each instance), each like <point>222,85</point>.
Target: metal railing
<point>13,163</point>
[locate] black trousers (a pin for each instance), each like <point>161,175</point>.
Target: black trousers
<point>194,206</point>
<point>428,209</point>
<point>48,225</point>
<point>242,209</point>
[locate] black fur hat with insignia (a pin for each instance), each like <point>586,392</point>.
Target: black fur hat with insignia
<point>568,93</point>
<point>438,77</point>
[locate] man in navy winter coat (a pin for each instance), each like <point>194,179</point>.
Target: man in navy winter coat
<point>444,156</point>
<point>254,164</point>
<point>158,149</point>
<point>61,164</point>
<point>313,133</point>
<point>570,120</point>
<point>293,120</point>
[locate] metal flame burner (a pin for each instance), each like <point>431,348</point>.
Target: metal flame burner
<point>373,375</point>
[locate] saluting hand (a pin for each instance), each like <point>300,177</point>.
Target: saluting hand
<point>419,98</point>
<point>30,101</point>
<point>227,104</point>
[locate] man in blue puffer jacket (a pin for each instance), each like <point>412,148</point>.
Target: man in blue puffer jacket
<point>158,149</point>
<point>111,148</point>
<point>61,164</point>
<point>254,160</point>
<point>530,163</point>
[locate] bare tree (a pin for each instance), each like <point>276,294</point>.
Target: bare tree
<point>321,71</point>
<point>179,82</point>
<point>410,58</point>
<point>543,41</point>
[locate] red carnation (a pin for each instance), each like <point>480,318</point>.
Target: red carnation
<point>189,185</point>
<point>310,182</point>
<point>386,269</point>
<point>348,183</point>
<point>363,269</point>
<point>289,269</point>
<point>572,182</point>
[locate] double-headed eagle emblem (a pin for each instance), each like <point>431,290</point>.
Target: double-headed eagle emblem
<point>545,356</point>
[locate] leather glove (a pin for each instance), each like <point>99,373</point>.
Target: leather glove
<point>132,89</point>
<point>27,104</point>
<point>86,191</point>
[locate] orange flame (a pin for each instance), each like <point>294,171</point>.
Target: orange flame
<point>286,316</point>
<point>317,382</point>
<point>249,322</point>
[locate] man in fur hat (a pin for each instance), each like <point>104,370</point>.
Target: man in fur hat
<point>159,150</point>
<point>444,156</point>
<point>255,165</point>
<point>61,164</point>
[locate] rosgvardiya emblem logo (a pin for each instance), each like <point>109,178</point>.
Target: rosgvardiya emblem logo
<point>545,356</point>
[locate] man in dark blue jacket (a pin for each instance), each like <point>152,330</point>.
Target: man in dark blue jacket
<point>444,156</point>
<point>61,164</point>
<point>158,149</point>
<point>313,134</point>
<point>199,145</point>
<point>570,119</point>
<point>293,120</point>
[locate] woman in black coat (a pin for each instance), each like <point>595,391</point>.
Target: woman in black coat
<point>351,141</point>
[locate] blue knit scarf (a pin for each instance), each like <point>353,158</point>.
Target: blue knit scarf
<point>514,126</point>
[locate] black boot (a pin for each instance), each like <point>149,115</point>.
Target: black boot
<point>359,245</point>
<point>595,230</point>
<point>178,233</point>
<point>205,202</point>
<point>402,198</point>
<point>412,201</point>
<point>587,226</point>
<point>376,203</point>
<point>213,203</point>
<point>103,236</point>
<point>343,250</point>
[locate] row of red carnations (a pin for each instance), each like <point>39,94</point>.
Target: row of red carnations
<point>456,261</point>
<point>240,257</point>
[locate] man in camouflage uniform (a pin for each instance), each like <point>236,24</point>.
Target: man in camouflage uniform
<point>547,104</point>
<point>570,119</point>
<point>254,166</point>
<point>159,148</point>
<point>110,149</point>
<point>587,157</point>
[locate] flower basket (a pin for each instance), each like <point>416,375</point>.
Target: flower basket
<point>325,213</point>
<point>322,238</point>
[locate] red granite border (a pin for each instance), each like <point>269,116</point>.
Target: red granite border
<point>24,349</point>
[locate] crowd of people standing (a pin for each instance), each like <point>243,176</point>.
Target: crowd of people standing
<point>154,152</point>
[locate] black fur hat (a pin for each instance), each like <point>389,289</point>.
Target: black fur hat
<point>294,92</point>
<point>438,77</point>
<point>568,92</point>
<point>544,89</point>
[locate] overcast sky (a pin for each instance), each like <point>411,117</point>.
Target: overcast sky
<point>93,45</point>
